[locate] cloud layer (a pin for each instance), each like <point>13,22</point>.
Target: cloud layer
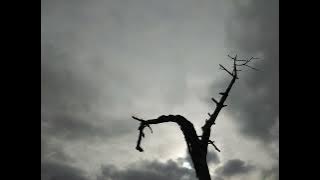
<point>103,61</point>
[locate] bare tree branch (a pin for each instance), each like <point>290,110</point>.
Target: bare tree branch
<point>251,67</point>
<point>246,61</point>
<point>223,68</point>
<point>186,127</point>
<point>234,58</point>
<point>230,56</point>
<point>143,122</point>
<point>198,145</point>
<point>212,143</point>
<point>214,100</point>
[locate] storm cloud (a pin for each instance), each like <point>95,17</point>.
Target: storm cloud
<point>147,170</point>
<point>104,61</point>
<point>234,167</point>
<point>254,101</point>
<point>272,173</point>
<point>56,170</point>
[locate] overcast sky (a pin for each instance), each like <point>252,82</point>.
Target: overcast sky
<point>103,61</point>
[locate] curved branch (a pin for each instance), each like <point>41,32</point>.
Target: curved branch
<point>186,127</point>
<point>196,148</point>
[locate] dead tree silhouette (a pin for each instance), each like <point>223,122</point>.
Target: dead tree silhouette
<point>198,145</point>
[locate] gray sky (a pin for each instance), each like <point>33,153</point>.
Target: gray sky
<point>103,61</point>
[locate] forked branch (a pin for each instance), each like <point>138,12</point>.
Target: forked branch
<point>185,125</point>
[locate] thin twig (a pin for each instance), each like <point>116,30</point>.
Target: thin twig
<point>226,70</point>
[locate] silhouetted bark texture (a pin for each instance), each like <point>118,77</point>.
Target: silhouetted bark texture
<point>197,145</point>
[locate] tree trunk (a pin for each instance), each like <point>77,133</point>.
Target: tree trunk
<point>201,166</point>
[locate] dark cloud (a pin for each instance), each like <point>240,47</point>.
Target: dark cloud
<point>272,174</point>
<point>61,84</point>
<point>55,164</point>
<point>68,100</point>
<point>54,168</point>
<point>52,152</point>
<point>148,170</point>
<point>254,100</point>
<point>59,171</point>
<point>72,128</point>
<point>217,178</point>
<point>212,157</point>
<point>101,61</point>
<point>234,167</point>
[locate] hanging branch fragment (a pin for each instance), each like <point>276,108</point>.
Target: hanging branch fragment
<point>143,124</point>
